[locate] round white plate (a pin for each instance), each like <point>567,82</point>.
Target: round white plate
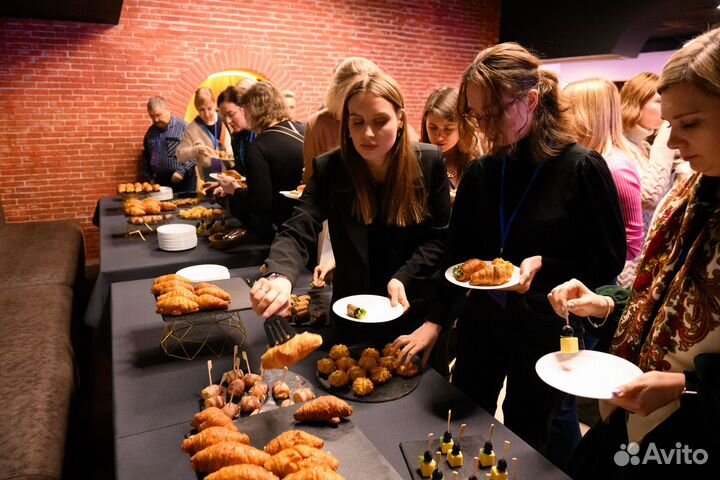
<point>290,194</point>
<point>204,273</point>
<point>217,176</point>
<point>587,373</point>
<point>378,308</point>
<point>514,279</point>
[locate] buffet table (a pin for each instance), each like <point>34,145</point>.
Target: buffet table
<point>155,397</point>
<point>129,258</point>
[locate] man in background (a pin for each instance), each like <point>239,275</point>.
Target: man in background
<point>290,103</point>
<point>161,140</point>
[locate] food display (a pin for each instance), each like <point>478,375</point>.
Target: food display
<point>184,202</point>
<point>292,351</point>
<point>299,310</point>
<point>177,296</point>
<point>356,312</point>
<point>147,206</point>
<point>224,454</point>
<point>137,187</point>
<point>244,470</point>
<point>324,409</point>
<point>149,219</point>
<point>291,438</point>
<point>297,457</point>
<point>212,417</point>
<point>199,213</point>
<point>211,436</point>
<point>480,273</point>
<point>568,340</point>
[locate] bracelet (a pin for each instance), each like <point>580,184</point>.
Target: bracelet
<point>607,314</point>
<point>274,275</point>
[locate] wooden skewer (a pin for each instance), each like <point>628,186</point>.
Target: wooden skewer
<point>449,415</point>
<point>506,449</point>
<point>456,475</point>
<point>476,465</point>
<point>209,367</point>
<point>284,375</point>
<point>462,432</point>
<point>438,458</point>
<point>235,350</point>
<point>149,227</point>
<point>430,439</point>
<point>492,430</point>
<point>247,363</point>
<point>514,468</point>
<point>231,396</point>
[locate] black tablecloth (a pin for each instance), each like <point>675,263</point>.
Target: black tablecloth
<point>123,258</point>
<point>156,396</point>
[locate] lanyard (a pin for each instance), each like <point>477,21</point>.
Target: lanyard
<point>505,229</point>
<point>214,138</point>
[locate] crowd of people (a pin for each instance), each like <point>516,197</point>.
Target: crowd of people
<point>585,188</point>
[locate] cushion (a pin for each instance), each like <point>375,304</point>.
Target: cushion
<point>37,381</point>
<point>39,253</point>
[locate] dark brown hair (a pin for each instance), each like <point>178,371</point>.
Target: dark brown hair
<point>264,104</point>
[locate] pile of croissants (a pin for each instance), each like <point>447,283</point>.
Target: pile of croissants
<point>176,295</point>
<point>138,187</point>
<point>148,206</point>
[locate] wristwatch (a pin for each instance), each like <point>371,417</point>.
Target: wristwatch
<point>274,275</point>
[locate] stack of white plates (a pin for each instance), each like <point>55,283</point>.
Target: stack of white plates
<point>165,193</point>
<point>176,237</point>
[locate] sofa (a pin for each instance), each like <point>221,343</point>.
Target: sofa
<point>39,265</point>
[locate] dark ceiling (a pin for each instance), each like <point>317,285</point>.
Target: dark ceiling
<point>552,28</point>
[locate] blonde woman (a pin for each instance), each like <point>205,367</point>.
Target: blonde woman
<point>206,139</point>
<point>595,108</point>
<point>387,205</point>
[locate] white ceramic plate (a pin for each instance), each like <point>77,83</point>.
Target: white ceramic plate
<point>514,279</point>
<point>290,194</point>
<point>587,373</point>
<point>204,273</point>
<point>217,176</point>
<point>378,308</point>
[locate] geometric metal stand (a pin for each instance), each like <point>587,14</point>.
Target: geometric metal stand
<point>215,331</point>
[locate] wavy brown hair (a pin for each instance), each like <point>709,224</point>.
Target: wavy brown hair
<point>697,64</point>
<point>265,105</point>
<point>634,94</point>
<point>508,69</point>
<point>404,201</point>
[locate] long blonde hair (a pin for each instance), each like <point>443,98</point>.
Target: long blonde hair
<point>634,94</point>
<point>595,111</point>
<point>509,69</point>
<point>697,64</point>
<point>405,201</point>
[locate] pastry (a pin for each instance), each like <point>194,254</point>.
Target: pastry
<point>224,454</point>
<point>345,363</point>
<point>292,351</point>
<point>339,351</point>
<point>209,302</point>
<point>498,272</point>
<point>176,306</point>
<point>290,438</point>
<point>243,471</point>
<point>328,409</point>
<point>370,352</point>
<point>212,417</point>
<point>179,292</point>
<point>356,312</point>
<point>216,401</point>
<point>318,472</point>
<point>388,362</point>
<point>326,366</point>
<point>463,272</point>
<point>338,379</point>
<point>407,370</point>
<point>211,436</point>
<point>163,287</point>
<point>172,277</point>
<point>390,350</point>
<point>455,457</point>
<point>568,340</point>
<point>367,363</point>
<point>362,386</point>
<point>297,457</point>
<point>280,391</point>
<point>356,372</point>
<point>380,375</point>
<point>303,395</point>
<point>214,291</point>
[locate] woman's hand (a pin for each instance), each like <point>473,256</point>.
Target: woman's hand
<point>204,151</point>
<point>228,184</point>
<point>574,297</point>
<point>177,177</point>
<point>649,391</point>
<point>396,292</point>
<point>421,340</point>
<point>323,270</point>
<point>528,269</point>
<point>270,297</point>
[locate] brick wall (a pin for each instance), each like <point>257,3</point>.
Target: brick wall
<point>73,95</point>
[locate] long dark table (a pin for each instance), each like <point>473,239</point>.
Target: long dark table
<point>123,258</point>
<point>155,397</point>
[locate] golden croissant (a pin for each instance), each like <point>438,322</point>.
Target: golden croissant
<point>497,273</point>
<point>244,471</point>
<point>318,472</point>
<point>179,292</point>
<point>162,287</point>
<point>176,306</point>
<point>214,291</point>
<point>224,454</point>
<point>211,436</point>
<point>171,276</point>
<point>212,417</point>
<point>327,408</point>
<point>208,302</point>
<point>463,272</point>
<point>292,351</point>
<point>290,438</point>
<point>298,457</point>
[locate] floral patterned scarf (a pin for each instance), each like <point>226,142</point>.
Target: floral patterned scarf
<point>675,300</point>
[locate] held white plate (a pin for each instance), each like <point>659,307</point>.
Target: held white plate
<point>217,176</point>
<point>378,308</point>
<point>204,273</point>
<point>514,279</point>
<point>290,194</point>
<point>587,373</point>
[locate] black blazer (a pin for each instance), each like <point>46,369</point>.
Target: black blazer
<point>329,196</point>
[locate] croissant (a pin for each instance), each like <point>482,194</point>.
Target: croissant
<point>214,291</point>
<point>209,302</point>
<point>205,285</point>
<point>172,276</point>
<point>179,292</point>
<point>167,206</point>
<point>137,186</point>
<point>327,408</point>
<point>504,268</point>
<point>496,273</point>
<point>242,472</point>
<point>163,287</point>
<point>318,472</point>
<point>463,272</point>
<point>224,454</point>
<point>212,417</point>
<point>135,211</point>
<point>292,351</point>
<point>297,457</point>
<point>121,188</point>
<point>291,438</point>
<point>129,188</point>
<point>211,436</point>
<point>176,306</point>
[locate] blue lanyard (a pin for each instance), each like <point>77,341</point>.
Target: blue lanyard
<point>505,229</point>
<point>210,134</point>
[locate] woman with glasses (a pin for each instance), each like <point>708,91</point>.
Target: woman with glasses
<point>387,205</point>
<point>544,203</point>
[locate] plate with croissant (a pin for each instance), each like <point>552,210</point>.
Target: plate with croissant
<point>478,274</point>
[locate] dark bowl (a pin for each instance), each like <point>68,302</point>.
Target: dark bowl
<point>223,241</point>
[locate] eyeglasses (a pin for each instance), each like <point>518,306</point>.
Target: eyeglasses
<point>476,120</point>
